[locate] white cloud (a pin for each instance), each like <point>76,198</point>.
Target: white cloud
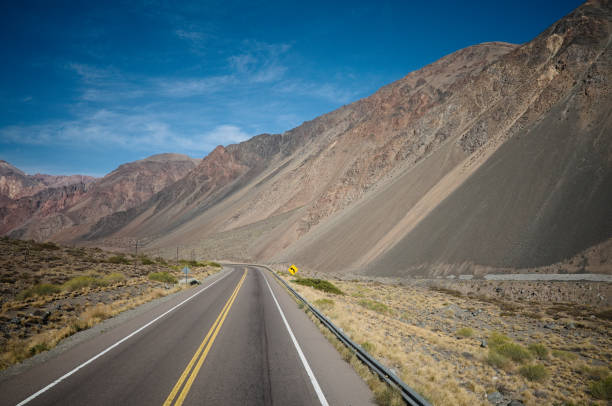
<point>193,87</point>
<point>189,35</point>
<point>140,132</point>
<point>227,134</point>
<point>326,91</point>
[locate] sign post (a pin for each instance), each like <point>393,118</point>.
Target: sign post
<point>186,270</point>
<point>293,269</point>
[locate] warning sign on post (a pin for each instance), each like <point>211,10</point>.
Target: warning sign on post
<point>293,269</point>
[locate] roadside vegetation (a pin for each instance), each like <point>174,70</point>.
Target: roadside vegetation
<point>49,292</point>
<point>319,284</point>
<point>461,350</point>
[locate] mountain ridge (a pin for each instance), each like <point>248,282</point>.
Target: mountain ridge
<point>495,158</point>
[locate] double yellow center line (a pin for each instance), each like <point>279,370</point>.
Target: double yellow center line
<point>191,372</point>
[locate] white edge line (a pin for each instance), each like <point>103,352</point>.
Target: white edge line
<point>95,357</point>
<point>313,380</point>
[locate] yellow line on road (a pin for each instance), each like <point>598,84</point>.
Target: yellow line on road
<point>202,351</point>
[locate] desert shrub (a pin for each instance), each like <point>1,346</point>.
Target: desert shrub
<point>534,372</point>
<point>164,277</point>
<point>596,373</point>
<point>388,396</point>
<point>515,352</point>
<point>374,305</point>
<point>602,389</point>
<point>496,339</point>
<point>161,261</point>
<point>324,304</point>
<point>41,347</point>
<point>118,259</point>
<point>79,282</point>
<point>49,246</point>
<point>319,284</point>
<point>497,360</point>
<point>564,355</point>
<point>113,278</point>
<point>42,289</point>
<point>465,332</point>
<point>191,263</point>
<point>76,252</point>
<point>368,346</point>
<point>213,264</point>
<point>538,350</point>
<point>146,261</point>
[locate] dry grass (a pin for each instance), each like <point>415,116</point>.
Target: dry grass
<point>432,340</point>
<point>50,292</point>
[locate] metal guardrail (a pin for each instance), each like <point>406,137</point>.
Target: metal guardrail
<point>410,396</point>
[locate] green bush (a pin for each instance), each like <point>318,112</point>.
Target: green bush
<point>82,281</point>
<point>538,350</point>
<point>42,289</point>
<point>368,346</point>
<point>161,261</point>
<point>118,259</point>
<point>564,355</point>
<point>496,339</point>
<point>146,261</point>
<point>113,278</point>
<point>319,284</point>
<point>515,352</point>
<point>164,277</point>
<point>374,305</point>
<point>465,332</point>
<point>602,389</point>
<point>39,348</point>
<point>535,372</point>
<point>497,360</point>
<point>324,304</point>
<point>503,345</point>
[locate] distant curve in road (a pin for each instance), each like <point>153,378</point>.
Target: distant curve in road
<point>238,339</point>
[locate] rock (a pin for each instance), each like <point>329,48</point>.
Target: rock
<point>570,326</point>
<point>483,343</point>
<point>16,320</point>
<point>45,317</point>
<point>495,398</point>
<point>540,394</point>
<point>515,402</point>
<point>549,326</point>
<point>467,355</point>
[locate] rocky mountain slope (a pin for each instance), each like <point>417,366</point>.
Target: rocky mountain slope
<point>496,158</point>
<point>14,183</point>
<point>65,211</point>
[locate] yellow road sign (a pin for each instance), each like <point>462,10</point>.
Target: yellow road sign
<point>293,269</point>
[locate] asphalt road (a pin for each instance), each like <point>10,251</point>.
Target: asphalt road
<point>239,339</point>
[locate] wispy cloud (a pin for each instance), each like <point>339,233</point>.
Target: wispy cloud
<point>141,132</point>
<point>189,35</point>
<point>325,91</point>
<point>260,62</point>
<point>192,87</point>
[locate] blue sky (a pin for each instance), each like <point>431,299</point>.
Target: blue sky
<point>85,88</point>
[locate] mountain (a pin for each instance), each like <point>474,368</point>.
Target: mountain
<point>15,184</point>
<point>63,212</point>
<point>495,158</point>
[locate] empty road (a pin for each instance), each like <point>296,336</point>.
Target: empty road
<point>238,339</point>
